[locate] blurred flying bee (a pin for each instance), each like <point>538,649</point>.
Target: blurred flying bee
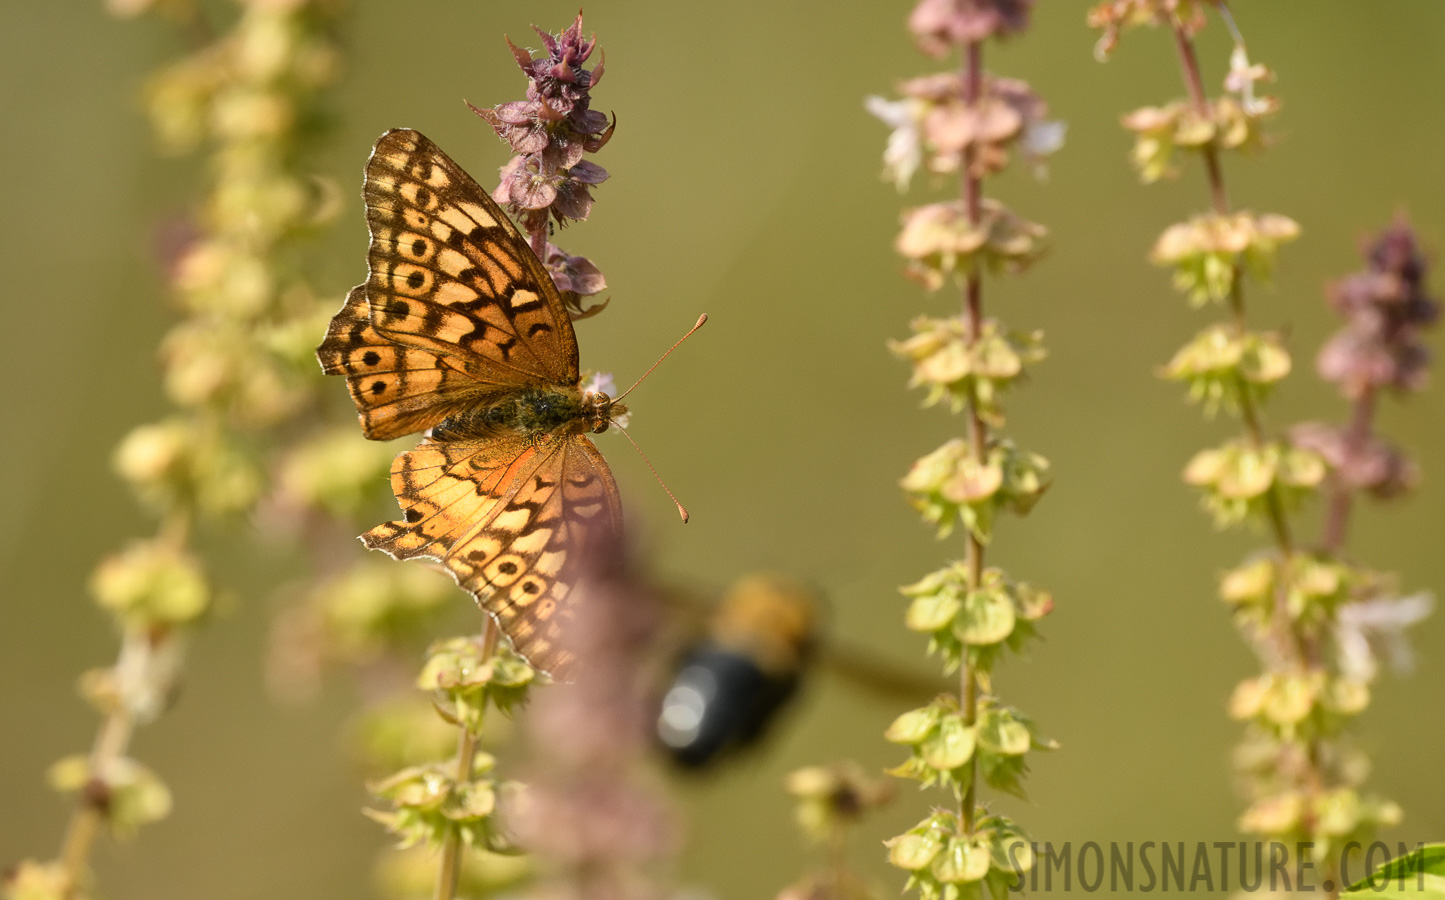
<point>760,642</point>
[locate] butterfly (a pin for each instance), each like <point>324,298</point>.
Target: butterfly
<point>460,332</point>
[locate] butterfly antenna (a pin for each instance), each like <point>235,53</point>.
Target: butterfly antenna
<point>681,510</point>
<point>700,321</point>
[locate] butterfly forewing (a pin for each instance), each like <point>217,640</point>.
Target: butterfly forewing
<point>449,271</point>
<point>398,390</point>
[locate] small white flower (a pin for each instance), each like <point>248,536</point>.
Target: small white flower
<point>1371,629</point>
<point>1242,78</point>
<point>600,383</point>
<point>904,153</point>
<point>1041,138</point>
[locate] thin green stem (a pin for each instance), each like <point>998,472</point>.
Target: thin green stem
<point>972,188</point>
<point>137,651</point>
<point>1357,436</point>
<point>1194,81</point>
<point>449,868</point>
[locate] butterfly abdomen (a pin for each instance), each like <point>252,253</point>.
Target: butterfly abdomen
<point>533,411</point>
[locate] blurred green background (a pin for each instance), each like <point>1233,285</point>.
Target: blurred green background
<point>744,184</point>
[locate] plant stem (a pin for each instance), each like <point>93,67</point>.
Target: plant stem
<point>111,742</point>
<point>1337,518</point>
<point>972,188</point>
<point>135,660</point>
<point>1195,83</point>
<point>449,869</point>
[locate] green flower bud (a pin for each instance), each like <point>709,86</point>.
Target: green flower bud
<point>958,370</point>
<point>950,485</point>
<point>831,797</point>
<point>1279,814</point>
<point>916,848</point>
<point>950,744</point>
<point>1159,130</point>
<point>179,98</point>
<point>405,731</point>
<point>961,860</point>
<point>976,625</point>
<point>1000,730</point>
<point>1238,479</point>
<point>946,864</point>
<point>126,792</point>
<point>413,872</point>
<point>33,880</point>
<point>1224,368</point>
<point>156,459</point>
<point>376,606</point>
<point>1208,252</point>
<point>942,743</point>
<point>151,586</point>
<point>429,804</point>
<point>465,683</point>
<point>942,244</point>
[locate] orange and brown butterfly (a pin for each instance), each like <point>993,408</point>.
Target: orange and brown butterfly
<point>460,330</point>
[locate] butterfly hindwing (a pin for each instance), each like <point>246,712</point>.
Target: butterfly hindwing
<point>450,272</point>
<point>513,519</point>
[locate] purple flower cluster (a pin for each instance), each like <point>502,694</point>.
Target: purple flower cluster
<point>1385,309</point>
<point>941,26</point>
<point>547,177</point>
<point>591,808</point>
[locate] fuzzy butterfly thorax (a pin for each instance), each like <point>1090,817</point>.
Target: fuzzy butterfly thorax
<point>534,412</point>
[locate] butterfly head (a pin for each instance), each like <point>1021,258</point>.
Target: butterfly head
<point>601,411</point>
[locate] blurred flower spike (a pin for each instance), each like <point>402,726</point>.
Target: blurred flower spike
<point>835,795</point>
<point>940,26</point>
<point>1385,308</point>
<point>128,794</point>
<point>1228,369</point>
<point>1241,481</point>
